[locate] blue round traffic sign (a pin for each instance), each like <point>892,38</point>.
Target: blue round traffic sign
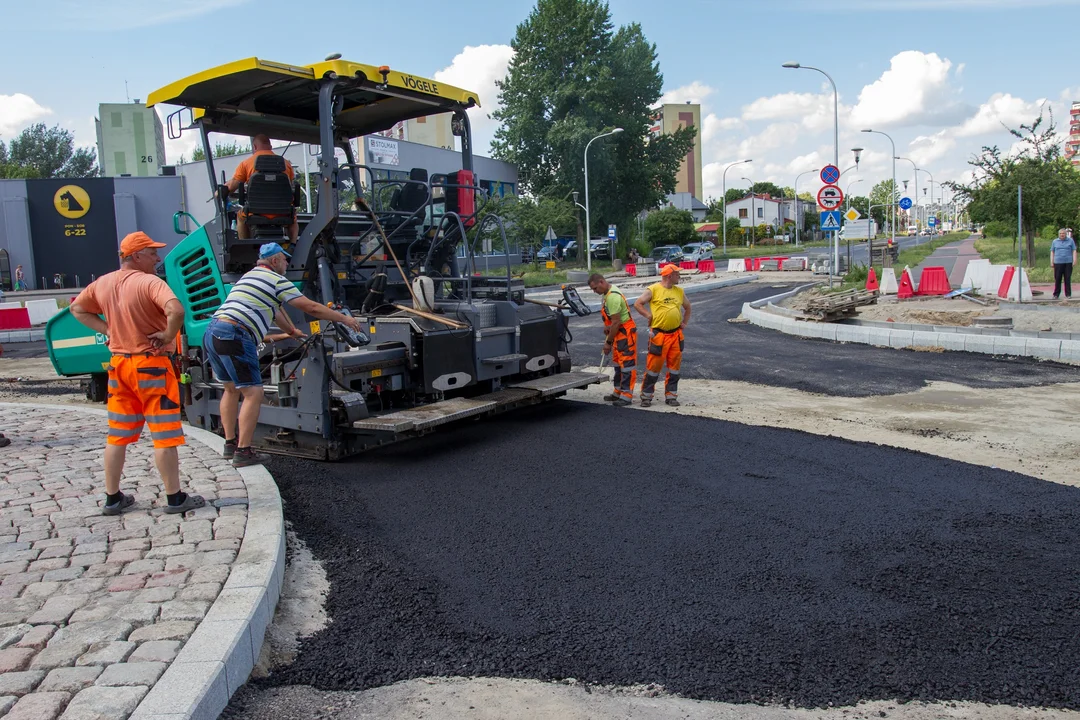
<point>830,174</point>
<point>905,203</point>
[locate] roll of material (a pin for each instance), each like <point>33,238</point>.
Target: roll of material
<point>423,294</point>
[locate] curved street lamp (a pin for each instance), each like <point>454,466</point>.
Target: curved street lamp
<point>723,179</point>
<point>588,219</point>
<point>795,192</point>
<point>892,219</point>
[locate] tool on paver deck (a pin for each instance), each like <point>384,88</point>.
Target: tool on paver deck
<point>471,345</point>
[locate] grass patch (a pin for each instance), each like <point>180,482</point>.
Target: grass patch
<point>1002,251</point>
<point>539,276</point>
<point>741,251</point>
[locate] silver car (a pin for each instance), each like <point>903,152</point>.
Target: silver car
<point>696,251</point>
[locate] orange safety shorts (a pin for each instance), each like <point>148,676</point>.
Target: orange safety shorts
<point>144,388</point>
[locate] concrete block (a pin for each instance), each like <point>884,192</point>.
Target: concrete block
<point>1070,351</point>
<point>1009,345</point>
<point>156,651</point>
<point>979,344</point>
<point>1043,348</point>
<point>850,333</point>
<point>248,575</point>
<point>69,680</point>
<point>196,690</point>
<point>228,641</point>
<point>901,338</point>
<point>41,311</point>
<point>878,337</point>
<point>39,706</point>
<point>925,339</point>
<point>104,702</point>
<point>828,331</point>
<point>20,683</point>
<point>950,341</point>
<point>131,674</point>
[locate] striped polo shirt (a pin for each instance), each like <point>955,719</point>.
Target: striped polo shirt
<point>255,298</point>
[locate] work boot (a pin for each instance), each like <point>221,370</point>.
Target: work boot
<point>646,402</point>
<point>230,449</point>
<point>245,457</point>
<point>672,402</point>
<point>611,397</point>
<point>620,402</point>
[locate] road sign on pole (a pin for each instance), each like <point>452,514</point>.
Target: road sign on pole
<point>551,234</point>
<point>852,214</point>
<point>905,203</point>
<point>931,221</point>
<point>830,174</point>
<point>611,232</point>
<point>830,221</point>
<point>830,197</point>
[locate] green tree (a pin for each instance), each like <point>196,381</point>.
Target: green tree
<point>770,189</point>
<point>528,219</point>
<point>734,194</point>
<point>221,149</point>
<point>882,194</point>
<point>552,107</point>
<point>860,203</point>
<point>670,226</point>
<point>734,229</point>
<point>715,213</point>
<point>44,152</point>
<point>1051,186</point>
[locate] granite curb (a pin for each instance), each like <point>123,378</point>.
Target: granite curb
<point>219,656</point>
<point>1067,351</point>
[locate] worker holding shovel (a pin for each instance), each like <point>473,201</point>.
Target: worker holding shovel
<point>620,339</point>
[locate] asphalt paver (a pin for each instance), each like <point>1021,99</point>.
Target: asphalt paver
<point>717,560</point>
<point>719,350</point>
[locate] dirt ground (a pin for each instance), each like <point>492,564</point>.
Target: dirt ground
<point>956,311</point>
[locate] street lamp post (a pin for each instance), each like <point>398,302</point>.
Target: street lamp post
<point>892,219</point>
<point>836,140</point>
<point>752,217</point>
<point>916,169</point>
<point>723,180</point>
<point>847,192</point>
<point>796,193</point>
<point>588,219</point>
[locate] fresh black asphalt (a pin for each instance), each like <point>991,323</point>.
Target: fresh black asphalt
<point>719,350</point>
<point>718,560</point>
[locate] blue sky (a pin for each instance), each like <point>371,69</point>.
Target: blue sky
<point>938,75</point>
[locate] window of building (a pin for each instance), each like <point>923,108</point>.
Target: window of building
<point>743,213</point>
<point>761,212</point>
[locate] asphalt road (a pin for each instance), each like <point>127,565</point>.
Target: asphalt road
<point>718,560</point>
<point>719,350</point>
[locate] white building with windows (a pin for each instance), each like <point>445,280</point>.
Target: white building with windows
<point>757,209</point>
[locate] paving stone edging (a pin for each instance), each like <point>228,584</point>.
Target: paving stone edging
<point>219,656</point>
<point>1067,351</point>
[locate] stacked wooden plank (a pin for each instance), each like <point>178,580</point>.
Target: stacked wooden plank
<point>832,306</point>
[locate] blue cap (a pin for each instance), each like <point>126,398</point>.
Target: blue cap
<point>269,250</point>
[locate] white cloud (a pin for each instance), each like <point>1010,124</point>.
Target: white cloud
<point>477,68</point>
<point>925,149</point>
<point>695,92</point>
<point>130,14</point>
<point>915,90</point>
<point>1000,108</point>
<point>17,111</point>
<point>713,126</point>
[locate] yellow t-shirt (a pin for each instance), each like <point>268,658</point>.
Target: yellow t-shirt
<point>666,306</point>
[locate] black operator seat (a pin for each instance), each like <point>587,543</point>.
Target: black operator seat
<point>271,198</point>
<point>408,199</point>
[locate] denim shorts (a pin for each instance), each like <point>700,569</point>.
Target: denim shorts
<point>233,354</point>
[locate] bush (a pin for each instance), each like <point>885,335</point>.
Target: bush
<point>1000,228</point>
<point>1049,232</point>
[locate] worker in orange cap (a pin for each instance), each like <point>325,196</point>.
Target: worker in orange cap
<point>665,306</point>
<point>620,339</point>
<point>142,319</point>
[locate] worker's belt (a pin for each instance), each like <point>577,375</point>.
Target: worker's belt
<point>668,331</point>
<point>243,327</point>
<point>170,356</point>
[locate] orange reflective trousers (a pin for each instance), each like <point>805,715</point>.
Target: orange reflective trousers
<point>664,348</point>
<point>623,356</point>
<point>144,389</point>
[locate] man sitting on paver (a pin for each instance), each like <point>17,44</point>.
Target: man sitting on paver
<point>142,319</point>
<point>668,312</point>
<point>620,339</point>
<point>234,333</point>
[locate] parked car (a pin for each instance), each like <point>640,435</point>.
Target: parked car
<point>667,253</point>
<point>695,252</point>
<point>601,250</point>
<point>708,245</point>
<point>547,253</point>
<point>912,231</point>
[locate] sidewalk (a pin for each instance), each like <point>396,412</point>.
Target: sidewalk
<point>95,609</point>
<point>954,257</point>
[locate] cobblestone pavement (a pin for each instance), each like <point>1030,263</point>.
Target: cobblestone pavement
<point>93,608</point>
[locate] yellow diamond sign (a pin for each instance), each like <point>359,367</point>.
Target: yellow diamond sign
<point>852,215</point>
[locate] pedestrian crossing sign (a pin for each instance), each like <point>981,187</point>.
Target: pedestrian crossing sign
<point>830,220</point>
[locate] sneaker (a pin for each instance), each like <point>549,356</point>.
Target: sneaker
<point>611,397</point>
<point>672,402</point>
<point>646,403</point>
<point>621,402</point>
<point>191,502</point>
<point>119,506</point>
<point>245,457</point>
<point>230,449</point>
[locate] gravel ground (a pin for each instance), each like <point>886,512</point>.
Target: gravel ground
<point>737,563</point>
<point>719,350</point>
